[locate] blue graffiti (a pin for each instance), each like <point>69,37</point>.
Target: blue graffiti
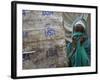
<point>50,32</point>
<point>47,13</point>
<point>24,13</point>
<point>25,34</point>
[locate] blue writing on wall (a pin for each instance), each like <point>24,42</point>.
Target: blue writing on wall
<point>47,13</point>
<point>24,12</point>
<point>25,34</point>
<point>50,32</point>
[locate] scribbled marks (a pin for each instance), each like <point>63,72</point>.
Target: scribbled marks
<point>49,32</point>
<point>25,34</point>
<point>47,13</point>
<point>24,12</point>
<point>51,52</point>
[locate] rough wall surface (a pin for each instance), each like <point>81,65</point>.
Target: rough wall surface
<point>43,40</point>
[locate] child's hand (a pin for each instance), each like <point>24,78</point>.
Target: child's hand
<point>82,39</point>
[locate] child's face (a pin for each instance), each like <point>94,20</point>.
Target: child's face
<point>79,28</point>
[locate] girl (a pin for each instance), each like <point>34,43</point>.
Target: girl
<point>79,50</point>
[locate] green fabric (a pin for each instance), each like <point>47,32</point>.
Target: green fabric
<point>79,57</point>
<point>77,34</point>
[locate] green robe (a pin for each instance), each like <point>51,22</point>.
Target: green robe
<point>80,56</point>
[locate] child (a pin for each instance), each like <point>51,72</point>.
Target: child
<point>79,50</point>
